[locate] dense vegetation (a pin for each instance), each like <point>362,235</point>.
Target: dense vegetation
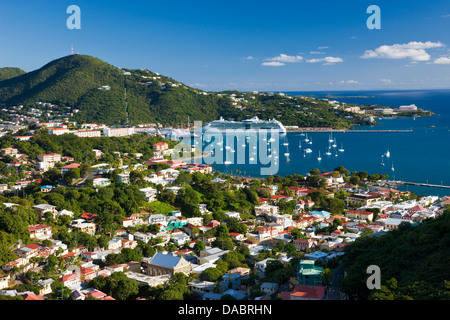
<point>81,149</point>
<point>8,73</point>
<point>141,96</point>
<point>414,262</point>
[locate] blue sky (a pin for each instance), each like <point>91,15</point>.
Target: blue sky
<point>243,45</point>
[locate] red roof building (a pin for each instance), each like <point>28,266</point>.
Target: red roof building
<point>32,296</point>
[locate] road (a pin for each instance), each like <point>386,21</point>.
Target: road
<point>334,292</point>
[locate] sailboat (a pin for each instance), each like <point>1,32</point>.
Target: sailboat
<point>308,150</point>
<point>310,141</point>
<point>388,154</point>
<point>392,169</point>
<point>334,143</point>
<point>306,138</point>
<point>285,143</point>
<point>382,163</point>
<point>328,151</point>
<point>331,137</point>
<point>287,153</point>
<point>336,154</point>
<point>342,148</point>
<point>299,144</point>
<point>319,157</point>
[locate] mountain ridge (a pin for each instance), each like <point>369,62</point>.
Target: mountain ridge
<point>96,91</point>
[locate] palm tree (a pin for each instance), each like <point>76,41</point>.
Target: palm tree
<point>327,276</point>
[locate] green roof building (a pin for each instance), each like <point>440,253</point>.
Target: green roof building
<point>308,274</point>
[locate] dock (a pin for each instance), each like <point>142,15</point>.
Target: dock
<point>425,184</point>
<point>355,131</point>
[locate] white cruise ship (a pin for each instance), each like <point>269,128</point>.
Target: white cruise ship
<point>253,123</point>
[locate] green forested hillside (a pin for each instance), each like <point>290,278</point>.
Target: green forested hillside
<point>414,262</point>
<point>8,73</point>
<point>141,96</point>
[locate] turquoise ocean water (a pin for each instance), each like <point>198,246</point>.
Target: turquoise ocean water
<point>420,156</point>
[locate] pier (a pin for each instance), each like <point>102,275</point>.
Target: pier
<point>355,131</point>
<point>425,184</point>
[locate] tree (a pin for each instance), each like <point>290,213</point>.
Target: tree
<point>199,246</point>
<point>60,291</point>
<point>366,232</point>
<point>342,170</point>
<point>85,168</point>
<point>355,180</point>
<point>363,175</point>
<point>211,274</point>
<point>183,178</point>
<point>327,276</point>
<point>72,174</point>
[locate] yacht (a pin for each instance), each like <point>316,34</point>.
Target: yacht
<point>330,139</point>
<point>334,143</point>
<point>388,154</point>
<point>342,148</point>
<point>253,123</point>
<point>306,137</point>
<point>308,150</point>
<point>392,169</point>
<point>227,162</point>
<point>299,144</point>
<point>328,153</point>
<point>319,157</point>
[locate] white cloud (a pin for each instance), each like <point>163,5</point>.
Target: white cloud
<point>285,58</point>
<point>386,81</point>
<point>445,16</point>
<point>413,50</point>
<point>348,82</point>
<point>249,58</point>
<point>198,85</point>
<point>442,60</point>
<point>317,52</point>
<point>273,64</point>
<point>321,48</point>
<point>327,60</point>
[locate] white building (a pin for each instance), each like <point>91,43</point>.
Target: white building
<point>149,193</point>
<point>118,132</point>
<point>87,133</point>
<point>58,131</point>
<point>101,182</point>
<point>123,178</point>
